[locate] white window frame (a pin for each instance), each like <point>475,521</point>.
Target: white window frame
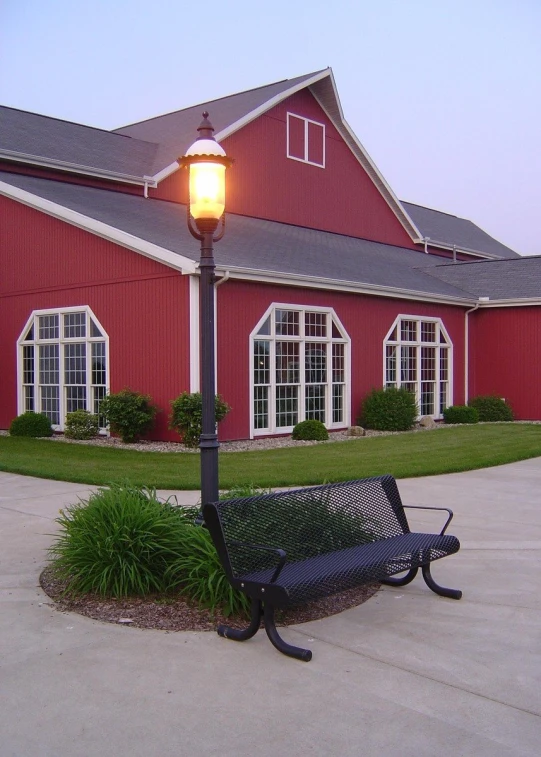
<point>272,428</point>
<point>33,320</point>
<point>418,344</point>
<point>306,131</point>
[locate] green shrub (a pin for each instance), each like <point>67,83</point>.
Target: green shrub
<point>187,416</point>
<point>128,413</point>
<point>80,424</point>
<point>492,408</point>
<point>120,541</point>
<point>31,424</point>
<point>460,414</point>
<point>389,410</point>
<point>310,430</point>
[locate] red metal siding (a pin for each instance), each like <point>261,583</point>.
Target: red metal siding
<point>505,357</point>
<point>142,305</point>
<point>366,319</point>
<point>264,183</point>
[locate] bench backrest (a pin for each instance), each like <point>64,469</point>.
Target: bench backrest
<point>304,522</point>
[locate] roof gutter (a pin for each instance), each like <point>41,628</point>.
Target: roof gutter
<point>316,282</point>
<point>454,248</point>
<point>62,165</point>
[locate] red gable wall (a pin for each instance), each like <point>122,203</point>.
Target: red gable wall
<point>265,183</point>
<point>143,305</point>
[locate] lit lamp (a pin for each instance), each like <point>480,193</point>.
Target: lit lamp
<point>206,161</point>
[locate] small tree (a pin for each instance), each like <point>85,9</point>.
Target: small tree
<point>129,414</point>
<point>187,416</point>
<point>389,409</point>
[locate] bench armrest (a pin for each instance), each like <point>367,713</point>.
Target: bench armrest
<point>425,507</point>
<point>280,552</point>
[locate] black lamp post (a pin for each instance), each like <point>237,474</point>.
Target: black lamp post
<point>207,161</point>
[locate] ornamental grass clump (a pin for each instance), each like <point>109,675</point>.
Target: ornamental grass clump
<point>119,542</point>
<point>31,424</point>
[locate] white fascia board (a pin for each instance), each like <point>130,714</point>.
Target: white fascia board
<point>510,303</point>
<point>251,116</point>
<point>62,165</point>
<point>462,250</point>
<point>315,282</point>
<point>100,229</point>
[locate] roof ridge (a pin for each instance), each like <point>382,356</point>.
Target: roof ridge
<point>216,99</point>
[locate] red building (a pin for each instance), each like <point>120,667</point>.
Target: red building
<point>328,286</point>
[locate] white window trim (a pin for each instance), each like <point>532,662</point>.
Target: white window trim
<point>273,430</point>
<point>418,344</point>
<point>21,342</point>
<point>306,122</point>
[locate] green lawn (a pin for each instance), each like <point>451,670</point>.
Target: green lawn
<point>426,453</point>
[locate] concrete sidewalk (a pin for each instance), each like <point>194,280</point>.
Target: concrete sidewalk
<point>407,673</point>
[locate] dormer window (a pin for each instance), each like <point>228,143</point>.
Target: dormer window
<point>305,140</point>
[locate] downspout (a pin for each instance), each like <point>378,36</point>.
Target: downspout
<point>426,240</point>
<point>467,347</point>
<point>224,278</point>
<point>454,253</point>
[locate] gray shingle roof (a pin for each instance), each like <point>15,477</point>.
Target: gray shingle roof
<point>498,279</point>
<point>54,140</point>
<point>176,131</point>
<point>452,230</point>
<point>250,243</point>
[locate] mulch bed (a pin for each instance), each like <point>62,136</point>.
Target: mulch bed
<point>175,613</point>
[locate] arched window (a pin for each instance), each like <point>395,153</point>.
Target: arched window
<point>63,364</point>
<point>300,369</point>
<point>418,356</point>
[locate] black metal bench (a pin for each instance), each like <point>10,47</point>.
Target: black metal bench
<point>289,547</point>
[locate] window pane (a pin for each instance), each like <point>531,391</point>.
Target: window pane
<point>94,330</point>
<point>428,363</point>
<point>287,363</point>
<point>315,324</point>
<point>338,363</point>
<point>337,403</point>
<point>48,326</point>
<point>30,334</point>
<point>98,393</point>
<point>295,146</point>
<point>408,371</point>
<point>261,407</point>
<point>48,364</point>
<point>408,331</point>
<point>265,329</point>
<point>50,403</point>
<point>427,398</point>
<point>444,364</point>
<point>74,325</point>
<point>443,396</point>
<point>28,399</point>
<point>315,363</point>
<point>75,363</point>
<point>314,406</point>
<point>287,406</point>
<point>428,331</point>
<point>99,372</point>
<point>316,137</point>
<point>75,398</point>
<point>287,322</point>
<point>28,364</point>
<point>261,362</point>
<point>390,364</point>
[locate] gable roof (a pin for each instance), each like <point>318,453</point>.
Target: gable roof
<point>53,143</point>
<point>511,279</point>
<point>252,249</point>
<point>446,230</point>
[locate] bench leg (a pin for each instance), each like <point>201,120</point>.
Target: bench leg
<point>282,646</point>
<point>441,590</point>
<point>407,579</point>
<point>246,633</point>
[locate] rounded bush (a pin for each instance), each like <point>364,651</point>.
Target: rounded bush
<point>80,424</point>
<point>460,414</point>
<point>310,430</point>
<point>389,410</point>
<point>187,416</point>
<point>120,541</point>
<point>31,424</point>
<point>491,408</point>
<point>129,414</point>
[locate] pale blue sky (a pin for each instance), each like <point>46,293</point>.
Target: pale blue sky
<point>444,94</point>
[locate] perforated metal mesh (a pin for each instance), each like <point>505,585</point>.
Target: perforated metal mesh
<point>335,536</point>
